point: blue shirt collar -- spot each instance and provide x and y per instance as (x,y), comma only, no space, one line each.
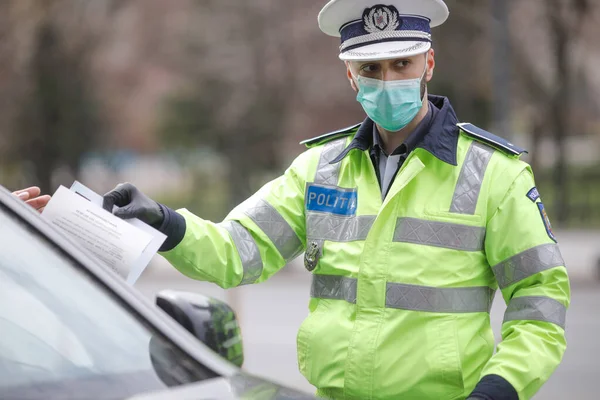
(439,136)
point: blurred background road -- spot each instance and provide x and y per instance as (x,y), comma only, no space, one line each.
(271,312)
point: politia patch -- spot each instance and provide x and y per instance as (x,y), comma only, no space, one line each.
(546,221)
(533,194)
(331,199)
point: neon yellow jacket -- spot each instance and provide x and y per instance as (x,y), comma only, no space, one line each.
(402,287)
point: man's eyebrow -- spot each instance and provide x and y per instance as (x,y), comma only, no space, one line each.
(373,62)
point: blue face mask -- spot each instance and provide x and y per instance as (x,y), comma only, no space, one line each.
(390,104)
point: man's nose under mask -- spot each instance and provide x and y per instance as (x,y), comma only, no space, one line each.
(391,104)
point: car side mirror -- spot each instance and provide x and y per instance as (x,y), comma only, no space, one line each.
(210,320)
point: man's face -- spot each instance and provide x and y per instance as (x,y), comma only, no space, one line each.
(392,70)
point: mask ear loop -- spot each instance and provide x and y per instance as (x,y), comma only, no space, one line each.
(423,83)
(354,78)
(425,69)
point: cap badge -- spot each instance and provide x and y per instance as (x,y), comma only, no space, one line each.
(381,18)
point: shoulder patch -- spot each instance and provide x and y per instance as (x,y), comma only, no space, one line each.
(533,194)
(546,222)
(330,136)
(491,139)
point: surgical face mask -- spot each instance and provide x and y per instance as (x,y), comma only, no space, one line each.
(391,104)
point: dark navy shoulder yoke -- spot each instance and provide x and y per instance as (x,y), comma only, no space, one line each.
(330,136)
(490,139)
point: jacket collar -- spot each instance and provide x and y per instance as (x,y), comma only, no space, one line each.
(441,140)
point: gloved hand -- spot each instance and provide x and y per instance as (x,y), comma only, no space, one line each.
(493,387)
(133,204)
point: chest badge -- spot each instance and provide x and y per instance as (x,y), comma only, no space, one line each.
(311,256)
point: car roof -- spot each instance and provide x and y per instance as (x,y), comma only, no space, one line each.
(136,302)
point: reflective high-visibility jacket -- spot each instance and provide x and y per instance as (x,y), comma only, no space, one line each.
(402,286)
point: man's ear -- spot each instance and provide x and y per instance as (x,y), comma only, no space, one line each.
(430,65)
(350,78)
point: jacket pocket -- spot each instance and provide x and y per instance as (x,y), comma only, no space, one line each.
(448,367)
(447,216)
(304,339)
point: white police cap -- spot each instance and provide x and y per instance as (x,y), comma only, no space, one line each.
(382,29)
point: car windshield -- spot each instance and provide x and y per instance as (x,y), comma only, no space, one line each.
(64,335)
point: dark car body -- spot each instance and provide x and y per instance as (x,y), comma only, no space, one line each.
(72,329)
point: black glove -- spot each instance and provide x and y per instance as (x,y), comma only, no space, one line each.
(133,204)
(494,387)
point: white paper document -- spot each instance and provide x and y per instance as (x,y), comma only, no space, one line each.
(125,246)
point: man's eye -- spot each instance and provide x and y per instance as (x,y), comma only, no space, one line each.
(402,63)
(369,68)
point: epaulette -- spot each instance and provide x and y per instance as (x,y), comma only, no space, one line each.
(491,139)
(330,136)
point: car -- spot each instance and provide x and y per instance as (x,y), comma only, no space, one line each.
(70,328)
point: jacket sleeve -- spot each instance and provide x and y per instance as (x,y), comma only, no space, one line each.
(530,272)
(253,242)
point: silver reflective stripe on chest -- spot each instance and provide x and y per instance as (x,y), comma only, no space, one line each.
(409,297)
(333,287)
(442,300)
(439,234)
(247,249)
(337,228)
(328,174)
(468,186)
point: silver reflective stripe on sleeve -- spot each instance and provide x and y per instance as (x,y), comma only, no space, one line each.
(527,263)
(466,193)
(333,287)
(337,228)
(442,300)
(439,234)
(536,308)
(409,297)
(247,249)
(273,225)
(328,174)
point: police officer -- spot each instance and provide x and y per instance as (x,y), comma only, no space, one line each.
(410,222)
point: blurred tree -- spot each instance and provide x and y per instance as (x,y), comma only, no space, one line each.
(237,110)
(58,121)
(55,120)
(544,35)
(565,23)
(463,61)
(547,84)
